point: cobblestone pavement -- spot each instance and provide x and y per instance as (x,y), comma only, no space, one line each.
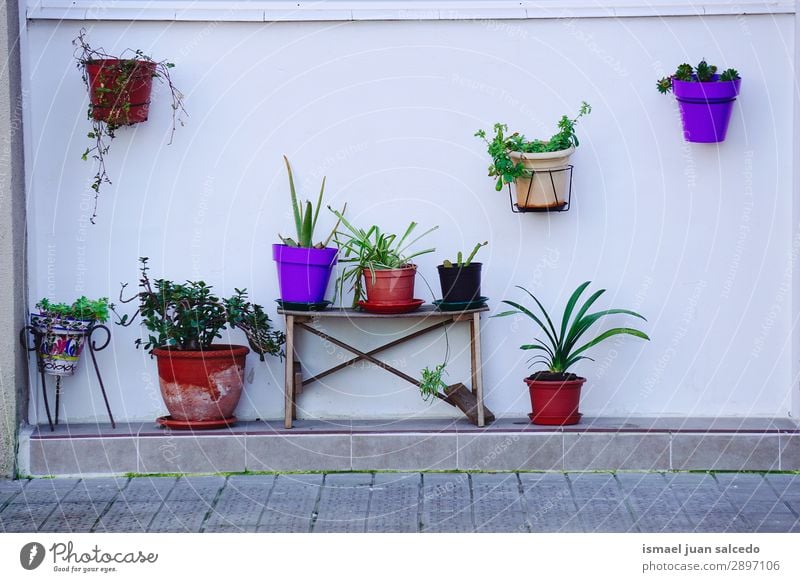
(407,502)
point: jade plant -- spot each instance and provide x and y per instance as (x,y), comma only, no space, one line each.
(460,262)
(365,251)
(188,316)
(110,104)
(561,349)
(504,168)
(305,217)
(703,73)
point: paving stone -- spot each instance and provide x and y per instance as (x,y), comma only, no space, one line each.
(497,505)
(256,487)
(343,503)
(227,528)
(45,491)
(235,511)
(394,504)
(446,503)
(9,489)
(604,515)
(128,516)
(706,505)
(595,486)
(291,504)
(148,489)
(196,489)
(74,517)
(550,505)
(769,516)
(96,490)
(25,517)
(788,488)
(180,516)
(743,488)
(655,509)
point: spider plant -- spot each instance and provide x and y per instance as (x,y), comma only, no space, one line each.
(370,250)
(305,217)
(561,349)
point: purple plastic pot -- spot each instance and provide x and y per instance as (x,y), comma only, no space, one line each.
(303,274)
(706,108)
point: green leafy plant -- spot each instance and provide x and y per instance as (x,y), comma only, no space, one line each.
(102,133)
(81,309)
(703,73)
(504,168)
(371,250)
(188,316)
(460,262)
(560,349)
(305,217)
(432,382)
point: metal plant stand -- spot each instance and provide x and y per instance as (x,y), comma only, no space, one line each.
(93,346)
(555,207)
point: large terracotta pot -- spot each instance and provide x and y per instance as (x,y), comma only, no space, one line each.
(202,385)
(555,402)
(390,285)
(548,187)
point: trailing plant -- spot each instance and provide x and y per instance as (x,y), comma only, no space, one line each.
(460,262)
(432,382)
(305,218)
(371,250)
(703,73)
(504,168)
(188,316)
(103,132)
(560,349)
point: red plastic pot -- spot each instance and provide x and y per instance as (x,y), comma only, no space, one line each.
(391,285)
(201,385)
(119,90)
(555,402)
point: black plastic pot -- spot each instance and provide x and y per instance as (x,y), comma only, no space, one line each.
(460,284)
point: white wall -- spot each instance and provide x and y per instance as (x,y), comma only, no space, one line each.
(697,237)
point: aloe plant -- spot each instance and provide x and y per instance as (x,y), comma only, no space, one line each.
(305,217)
(561,349)
(372,249)
(460,262)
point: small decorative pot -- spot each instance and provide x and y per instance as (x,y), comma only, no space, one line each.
(202,385)
(706,108)
(460,284)
(119,90)
(548,187)
(60,342)
(303,274)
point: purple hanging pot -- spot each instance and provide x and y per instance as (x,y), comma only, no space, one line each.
(706,108)
(303,274)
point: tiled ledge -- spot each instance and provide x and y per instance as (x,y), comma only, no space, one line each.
(508,444)
(344,10)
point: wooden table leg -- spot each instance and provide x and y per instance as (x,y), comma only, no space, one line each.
(477,364)
(288,386)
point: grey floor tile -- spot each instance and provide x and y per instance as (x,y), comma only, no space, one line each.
(45,491)
(96,490)
(191,454)
(654,506)
(83,456)
(298,453)
(291,504)
(9,489)
(128,516)
(205,488)
(25,517)
(74,517)
(608,451)
(394,503)
(549,501)
(595,486)
(497,504)
(517,451)
(790,452)
(598,515)
(446,503)
(235,511)
(343,503)
(787,487)
(180,516)
(148,489)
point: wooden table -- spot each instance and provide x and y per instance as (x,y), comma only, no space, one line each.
(300,320)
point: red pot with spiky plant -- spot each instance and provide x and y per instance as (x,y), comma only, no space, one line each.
(555,392)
